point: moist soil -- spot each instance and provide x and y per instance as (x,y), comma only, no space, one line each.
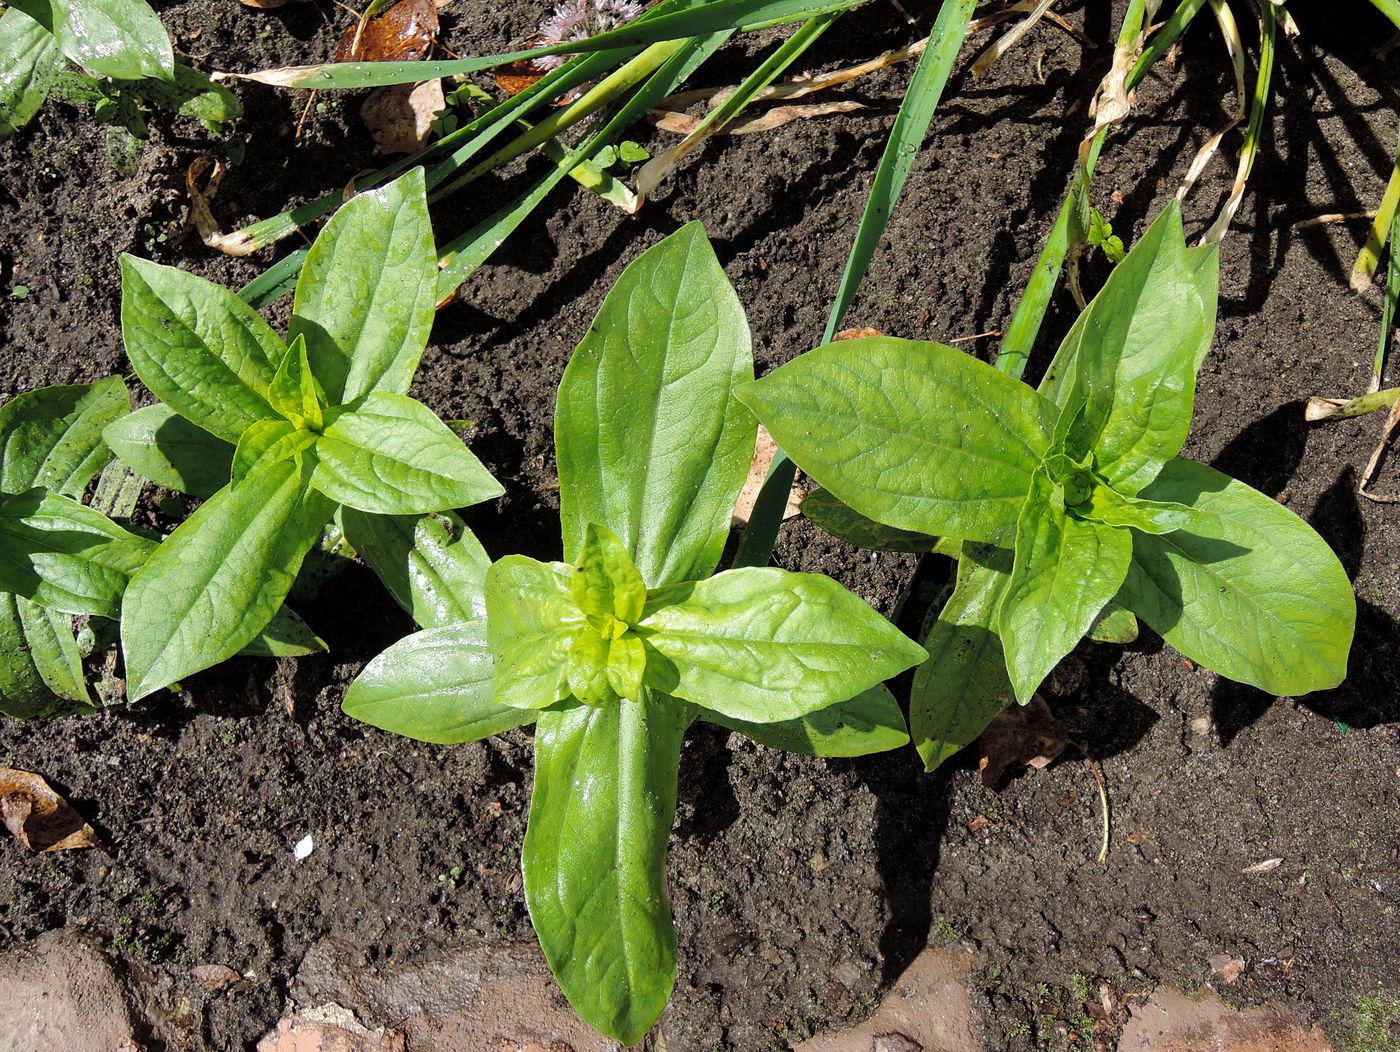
(801,887)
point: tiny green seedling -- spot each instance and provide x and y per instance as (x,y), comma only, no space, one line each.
(615,652)
(1071,501)
(320,423)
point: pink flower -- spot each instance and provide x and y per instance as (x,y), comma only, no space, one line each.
(577,19)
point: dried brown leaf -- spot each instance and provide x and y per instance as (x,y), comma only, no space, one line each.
(1267,866)
(401,117)
(38,817)
(215,976)
(858,334)
(764,451)
(236,244)
(1227,967)
(268,5)
(519,75)
(1021,735)
(403,33)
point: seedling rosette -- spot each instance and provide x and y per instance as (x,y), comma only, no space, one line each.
(615,651)
(1070,501)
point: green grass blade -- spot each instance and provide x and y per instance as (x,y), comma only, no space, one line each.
(712,17)
(1389,8)
(1392,293)
(1370,256)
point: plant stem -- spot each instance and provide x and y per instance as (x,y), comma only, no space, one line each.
(1365,268)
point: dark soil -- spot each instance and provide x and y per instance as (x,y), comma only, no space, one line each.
(801,887)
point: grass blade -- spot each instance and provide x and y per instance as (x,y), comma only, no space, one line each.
(1370,256)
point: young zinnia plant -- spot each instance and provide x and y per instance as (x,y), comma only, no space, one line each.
(615,651)
(1070,501)
(320,423)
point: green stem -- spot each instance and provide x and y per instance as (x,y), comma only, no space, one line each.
(1335,409)
(1365,268)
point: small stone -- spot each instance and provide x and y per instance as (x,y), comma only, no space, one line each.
(896,1043)
(303,848)
(1201,726)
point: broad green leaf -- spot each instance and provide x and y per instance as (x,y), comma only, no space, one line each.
(1114,625)
(434,686)
(433,566)
(121,39)
(41,671)
(916,435)
(268,441)
(64,556)
(765,645)
(869,723)
(191,94)
(1248,590)
(1110,508)
(161,445)
(963,685)
(533,623)
(365,298)
(52,437)
(294,392)
(605,582)
(1133,359)
(286,635)
(649,442)
(847,524)
(390,454)
(1065,571)
(218,580)
(30,63)
(198,347)
(595,857)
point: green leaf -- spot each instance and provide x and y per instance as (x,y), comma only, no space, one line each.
(191,94)
(847,524)
(52,437)
(764,645)
(41,671)
(64,556)
(390,454)
(605,582)
(269,441)
(286,635)
(1065,571)
(963,685)
(434,686)
(198,347)
(30,63)
(161,445)
(1108,507)
(1114,625)
(916,435)
(217,581)
(1249,589)
(586,670)
(595,858)
(533,624)
(433,566)
(1134,356)
(294,392)
(868,723)
(649,442)
(121,39)
(365,298)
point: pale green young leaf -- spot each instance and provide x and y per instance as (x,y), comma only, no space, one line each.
(1248,589)
(65,556)
(121,39)
(587,669)
(963,685)
(390,454)
(868,723)
(294,392)
(915,435)
(1115,624)
(198,347)
(626,665)
(1133,358)
(218,580)
(764,645)
(1065,571)
(268,441)
(161,445)
(605,582)
(433,566)
(849,525)
(594,859)
(285,636)
(365,298)
(41,671)
(52,436)
(649,441)
(533,624)
(1110,508)
(30,63)
(434,686)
